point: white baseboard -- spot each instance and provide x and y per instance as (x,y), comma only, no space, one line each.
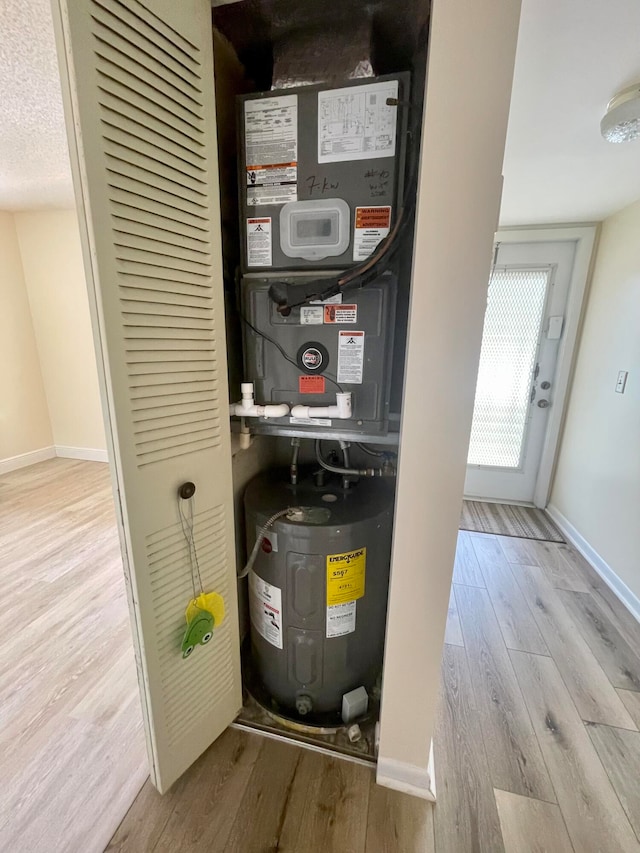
(618,586)
(25,459)
(89,454)
(407,778)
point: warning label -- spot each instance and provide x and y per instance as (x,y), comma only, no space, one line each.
(371,225)
(341,619)
(265,608)
(341,314)
(274,184)
(345,576)
(311,384)
(350,357)
(259,242)
(271,149)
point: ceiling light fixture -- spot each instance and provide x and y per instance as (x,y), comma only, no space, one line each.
(621,122)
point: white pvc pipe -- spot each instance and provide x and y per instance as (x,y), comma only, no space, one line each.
(247,407)
(341,411)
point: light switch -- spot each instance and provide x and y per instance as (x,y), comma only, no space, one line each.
(554,332)
(622,381)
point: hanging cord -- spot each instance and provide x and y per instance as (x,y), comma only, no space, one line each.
(187,524)
(262,533)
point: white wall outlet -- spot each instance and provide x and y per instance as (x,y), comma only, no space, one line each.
(622,381)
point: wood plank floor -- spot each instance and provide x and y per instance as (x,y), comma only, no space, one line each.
(72,753)
(548,651)
(536,744)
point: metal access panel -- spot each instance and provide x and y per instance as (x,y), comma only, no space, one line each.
(321,172)
(321,349)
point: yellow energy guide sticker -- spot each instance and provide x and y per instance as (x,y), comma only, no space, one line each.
(345,576)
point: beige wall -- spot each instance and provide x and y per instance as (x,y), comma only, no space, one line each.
(24,419)
(459,197)
(54,275)
(597,482)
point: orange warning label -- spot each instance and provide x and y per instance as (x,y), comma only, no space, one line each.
(340,313)
(271,166)
(373,217)
(311,384)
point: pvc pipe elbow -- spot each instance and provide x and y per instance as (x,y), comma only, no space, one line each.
(341,411)
(275,410)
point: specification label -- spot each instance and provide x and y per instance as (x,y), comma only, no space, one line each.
(271,149)
(341,619)
(311,315)
(350,357)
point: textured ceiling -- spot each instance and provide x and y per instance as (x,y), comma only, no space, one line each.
(573,55)
(34,158)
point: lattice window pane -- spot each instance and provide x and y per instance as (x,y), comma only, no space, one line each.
(509,345)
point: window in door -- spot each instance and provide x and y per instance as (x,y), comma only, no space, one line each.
(515,307)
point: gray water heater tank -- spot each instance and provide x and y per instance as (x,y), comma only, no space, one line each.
(318,589)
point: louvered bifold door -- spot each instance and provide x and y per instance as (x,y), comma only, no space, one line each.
(139,89)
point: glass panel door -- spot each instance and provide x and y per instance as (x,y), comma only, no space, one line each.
(508,358)
(526,302)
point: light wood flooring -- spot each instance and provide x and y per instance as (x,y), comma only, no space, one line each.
(537,746)
(72,754)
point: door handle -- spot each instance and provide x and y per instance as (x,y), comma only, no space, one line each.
(543,404)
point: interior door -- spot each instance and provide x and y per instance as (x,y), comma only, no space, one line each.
(524,323)
(138,84)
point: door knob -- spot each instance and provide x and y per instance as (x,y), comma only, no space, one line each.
(543,404)
(545,385)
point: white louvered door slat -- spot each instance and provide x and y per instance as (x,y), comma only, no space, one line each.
(139,90)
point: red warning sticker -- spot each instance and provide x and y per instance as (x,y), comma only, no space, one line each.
(373,217)
(311,384)
(372,224)
(340,313)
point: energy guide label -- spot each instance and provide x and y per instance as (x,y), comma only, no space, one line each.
(259,242)
(271,149)
(350,357)
(345,585)
(265,609)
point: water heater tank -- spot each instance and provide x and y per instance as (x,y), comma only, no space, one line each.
(318,589)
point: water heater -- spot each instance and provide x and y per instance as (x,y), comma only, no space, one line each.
(318,589)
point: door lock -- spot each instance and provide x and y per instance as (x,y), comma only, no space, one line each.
(544,404)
